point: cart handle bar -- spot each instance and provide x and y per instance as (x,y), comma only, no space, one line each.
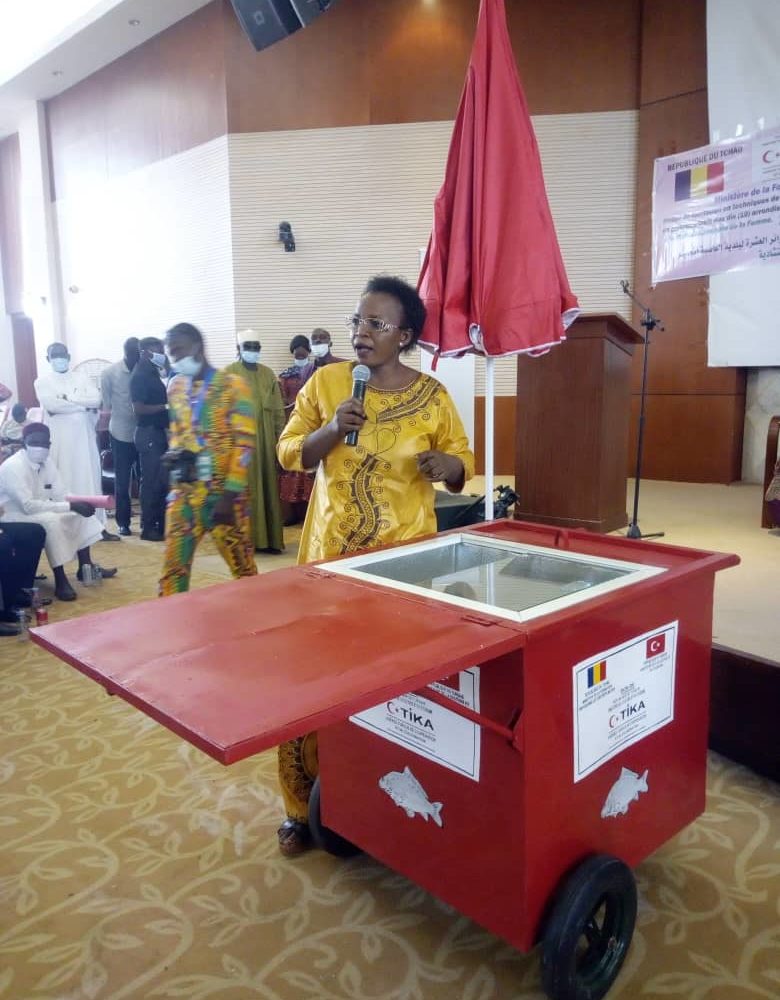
(513,735)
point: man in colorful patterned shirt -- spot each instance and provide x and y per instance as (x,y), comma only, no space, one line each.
(212,438)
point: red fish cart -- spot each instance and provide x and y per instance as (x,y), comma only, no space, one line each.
(511,715)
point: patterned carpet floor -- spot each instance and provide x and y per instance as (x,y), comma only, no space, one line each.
(133,866)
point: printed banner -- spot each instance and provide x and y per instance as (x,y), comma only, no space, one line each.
(621,696)
(717,208)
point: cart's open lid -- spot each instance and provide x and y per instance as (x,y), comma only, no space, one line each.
(238,667)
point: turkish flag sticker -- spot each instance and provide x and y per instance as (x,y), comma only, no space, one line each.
(656,645)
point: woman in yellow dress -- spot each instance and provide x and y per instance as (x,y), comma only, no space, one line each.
(379,490)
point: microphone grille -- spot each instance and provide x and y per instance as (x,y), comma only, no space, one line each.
(361,373)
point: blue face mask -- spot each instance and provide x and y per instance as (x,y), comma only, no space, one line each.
(157,359)
(251,357)
(60,365)
(186,366)
(301,362)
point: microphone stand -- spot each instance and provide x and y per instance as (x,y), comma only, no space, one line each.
(649,322)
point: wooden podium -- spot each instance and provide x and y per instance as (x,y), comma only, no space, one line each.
(573,411)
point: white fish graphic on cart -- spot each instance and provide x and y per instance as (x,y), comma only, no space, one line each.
(625,791)
(407,793)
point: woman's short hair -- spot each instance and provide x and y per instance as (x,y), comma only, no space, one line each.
(299,340)
(411,303)
(192,333)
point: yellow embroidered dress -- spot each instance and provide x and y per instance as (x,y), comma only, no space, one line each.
(364,496)
(373,493)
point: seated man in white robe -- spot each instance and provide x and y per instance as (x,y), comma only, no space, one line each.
(71,402)
(31,490)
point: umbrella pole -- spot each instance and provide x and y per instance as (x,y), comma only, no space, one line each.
(490,391)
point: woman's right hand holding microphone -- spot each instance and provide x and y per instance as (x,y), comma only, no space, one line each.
(349,416)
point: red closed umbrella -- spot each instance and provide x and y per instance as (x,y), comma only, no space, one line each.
(493,279)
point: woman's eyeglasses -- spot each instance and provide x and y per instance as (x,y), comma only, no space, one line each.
(371,323)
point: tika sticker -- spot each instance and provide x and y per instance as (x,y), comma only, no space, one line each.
(625,791)
(430,730)
(622,694)
(407,793)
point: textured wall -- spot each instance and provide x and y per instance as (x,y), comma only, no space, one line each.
(149,249)
(195,236)
(360,201)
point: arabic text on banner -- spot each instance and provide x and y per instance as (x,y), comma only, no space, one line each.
(717,208)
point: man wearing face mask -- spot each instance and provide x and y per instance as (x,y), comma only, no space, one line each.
(71,402)
(31,490)
(321,346)
(269,421)
(150,404)
(115,387)
(212,438)
(295,486)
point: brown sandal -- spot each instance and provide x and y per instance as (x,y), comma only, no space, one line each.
(294,837)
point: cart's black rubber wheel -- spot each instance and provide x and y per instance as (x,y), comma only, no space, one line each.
(588,930)
(324,838)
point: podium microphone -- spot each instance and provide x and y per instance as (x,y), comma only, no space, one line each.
(649,322)
(360,376)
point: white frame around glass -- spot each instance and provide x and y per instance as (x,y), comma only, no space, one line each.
(353,567)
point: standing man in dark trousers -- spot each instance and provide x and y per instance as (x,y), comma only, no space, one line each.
(21,545)
(115,387)
(150,404)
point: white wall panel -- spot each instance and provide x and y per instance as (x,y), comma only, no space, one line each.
(147,250)
(194,237)
(360,200)
(743,81)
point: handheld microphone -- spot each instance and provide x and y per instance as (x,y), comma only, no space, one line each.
(360,376)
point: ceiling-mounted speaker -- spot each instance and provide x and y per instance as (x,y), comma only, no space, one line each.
(268,21)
